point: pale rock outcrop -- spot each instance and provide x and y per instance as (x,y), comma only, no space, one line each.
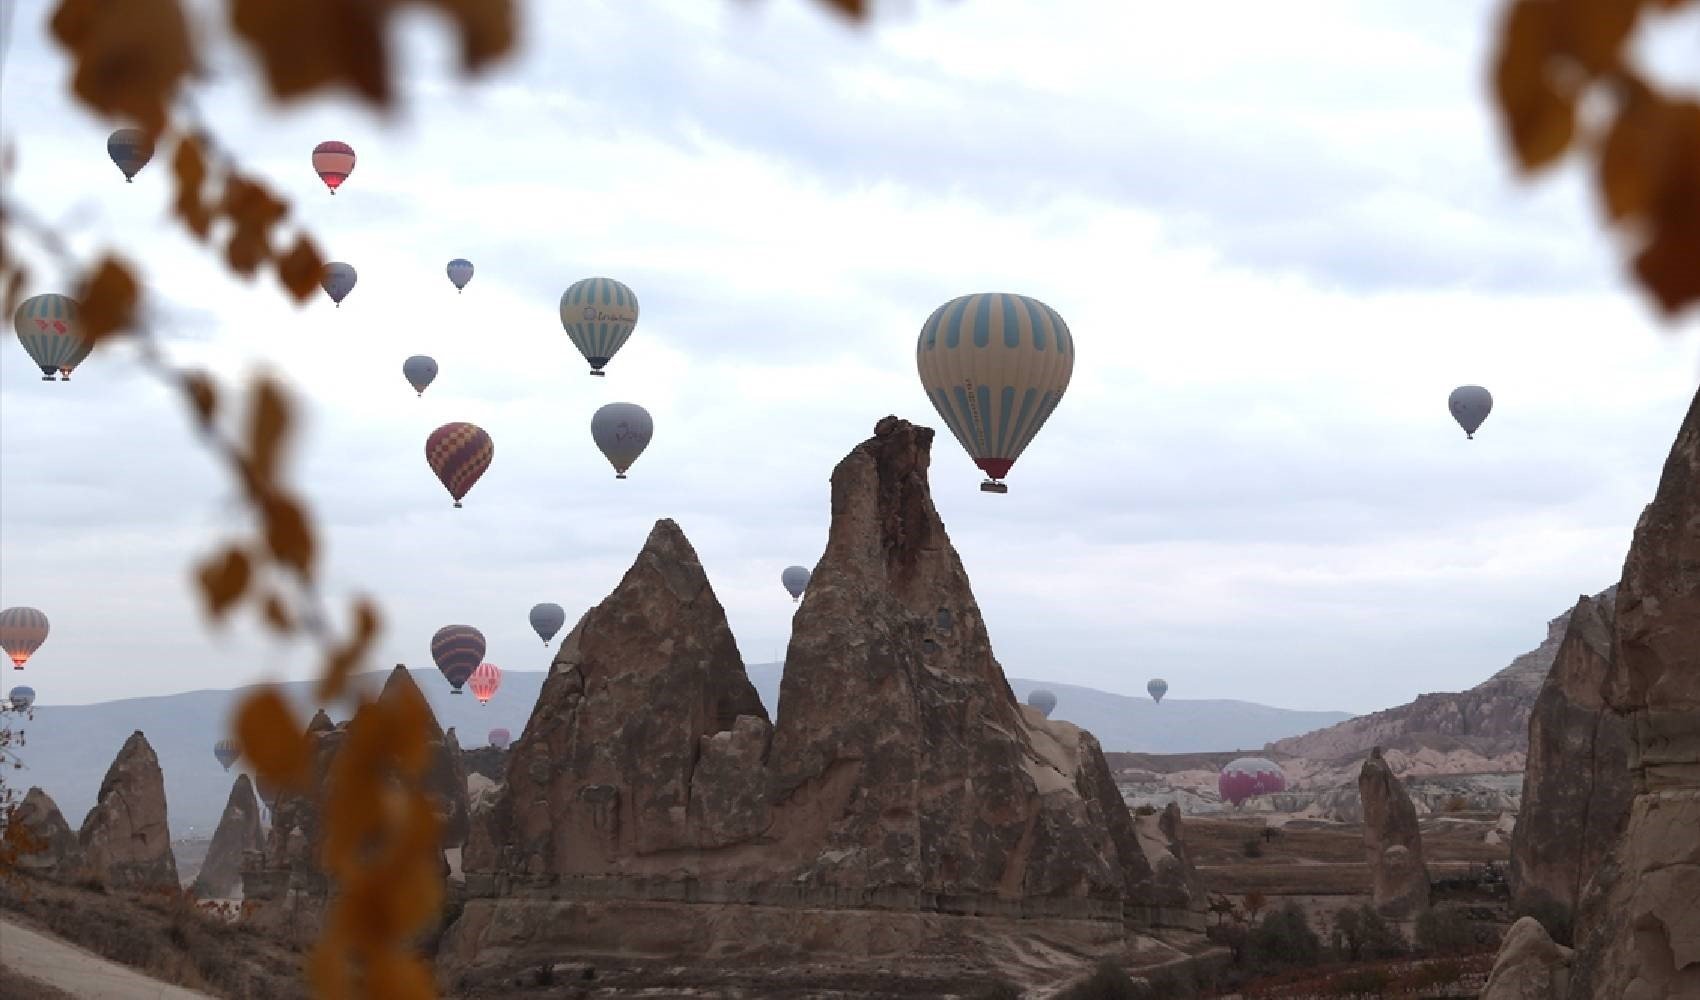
(56,849)
(1529,966)
(1392,841)
(238,833)
(126,837)
(1175,882)
(1576,789)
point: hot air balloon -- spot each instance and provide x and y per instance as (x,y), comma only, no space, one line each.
(131,149)
(622,431)
(1043,700)
(485,680)
(22,631)
(995,365)
(796,580)
(420,371)
(338,280)
(1470,405)
(547,619)
(598,314)
(226,751)
(334,161)
(21,697)
(1246,777)
(82,354)
(47,327)
(458,650)
(1157,687)
(459,453)
(460,272)
(500,738)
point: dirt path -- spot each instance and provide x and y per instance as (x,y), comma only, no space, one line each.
(78,972)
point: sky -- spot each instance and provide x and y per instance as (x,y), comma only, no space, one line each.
(1280,242)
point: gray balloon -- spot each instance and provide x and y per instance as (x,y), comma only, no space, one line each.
(1044,701)
(419,371)
(1157,687)
(622,431)
(796,580)
(338,280)
(1470,405)
(547,619)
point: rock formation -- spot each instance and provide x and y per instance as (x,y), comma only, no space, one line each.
(1576,789)
(53,842)
(238,832)
(126,839)
(1392,841)
(445,777)
(1638,928)
(1175,882)
(491,762)
(1529,965)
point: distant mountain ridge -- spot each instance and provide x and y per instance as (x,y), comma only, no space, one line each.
(68,747)
(1490,720)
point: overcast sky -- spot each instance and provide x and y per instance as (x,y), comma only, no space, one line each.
(1280,242)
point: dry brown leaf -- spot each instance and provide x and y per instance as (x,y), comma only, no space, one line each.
(1593,31)
(305,45)
(108,299)
(1669,265)
(288,534)
(487,29)
(245,252)
(224,578)
(273,740)
(130,56)
(301,269)
(399,976)
(1537,119)
(251,206)
(189,168)
(341,663)
(269,418)
(277,616)
(203,396)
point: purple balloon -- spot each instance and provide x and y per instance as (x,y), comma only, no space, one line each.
(500,738)
(1248,777)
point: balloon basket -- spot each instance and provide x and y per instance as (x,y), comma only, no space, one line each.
(619,475)
(48,378)
(598,374)
(993,486)
(457,507)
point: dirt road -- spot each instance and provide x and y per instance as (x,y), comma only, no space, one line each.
(80,973)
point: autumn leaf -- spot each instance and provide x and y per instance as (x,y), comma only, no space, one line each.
(189,169)
(1538,119)
(276,615)
(342,662)
(301,269)
(306,45)
(130,56)
(268,427)
(245,251)
(224,579)
(1629,157)
(273,740)
(486,29)
(1593,31)
(108,300)
(288,534)
(203,396)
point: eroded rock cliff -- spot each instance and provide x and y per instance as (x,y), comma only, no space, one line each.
(238,833)
(1393,844)
(126,838)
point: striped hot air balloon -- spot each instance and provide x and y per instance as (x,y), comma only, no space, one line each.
(22,631)
(47,327)
(459,453)
(460,272)
(334,161)
(995,365)
(598,314)
(131,149)
(68,367)
(457,650)
(485,680)
(338,280)
(226,752)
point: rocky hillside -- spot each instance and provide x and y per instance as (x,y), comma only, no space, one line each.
(1488,724)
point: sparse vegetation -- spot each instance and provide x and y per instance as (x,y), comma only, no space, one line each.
(1107,982)
(1145,810)
(1285,937)
(1553,915)
(1444,931)
(1457,804)
(1252,848)
(1361,932)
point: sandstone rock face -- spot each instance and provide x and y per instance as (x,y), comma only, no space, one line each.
(1529,966)
(126,839)
(1175,882)
(57,850)
(1638,932)
(491,762)
(1576,790)
(1392,841)
(238,833)
(292,842)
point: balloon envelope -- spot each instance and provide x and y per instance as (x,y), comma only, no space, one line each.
(599,315)
(547,619)
(457,650)
(1157,687)
(500,738)
(420,371)
(460,271)
(994,365)
(1470,405)
(622,431)
(22,631)
(485,681)
(338,280)
(131,149)
(47,327)
(21,697)
(226,752)
(795,579)
(1043,700)
(333,161)
(459,453)
(1246,777)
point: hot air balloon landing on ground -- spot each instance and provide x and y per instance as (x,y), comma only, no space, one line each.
(460,272)
(131,149)
(599,315)
(994,365)
(1248,777)
(1043,700)
(796,580)
(547,619)
(457,650)
(333,161)
(1157,687)
(22,631)
(500,738)
(21,697)
(1470,405)
(47,327)
(485,681)
(622,431)
(420,371)
(226,752)
(338,280)
(459,453)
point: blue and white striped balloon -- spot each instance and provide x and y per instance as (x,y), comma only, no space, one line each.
(598,314)
(460,272)
(47,327)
